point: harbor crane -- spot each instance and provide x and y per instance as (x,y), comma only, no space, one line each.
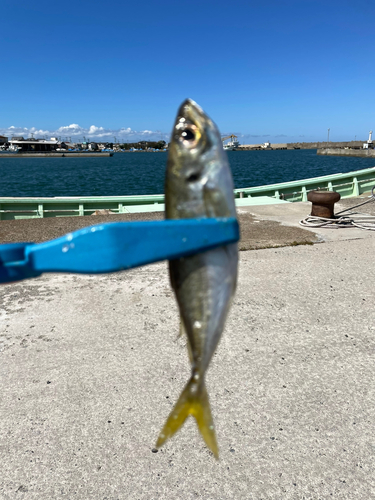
(232,144)
(229,137)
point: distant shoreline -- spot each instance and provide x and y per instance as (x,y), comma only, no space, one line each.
(59,154)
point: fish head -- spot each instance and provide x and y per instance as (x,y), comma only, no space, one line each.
(198,173)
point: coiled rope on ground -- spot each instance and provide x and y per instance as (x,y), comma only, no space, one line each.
(351,219)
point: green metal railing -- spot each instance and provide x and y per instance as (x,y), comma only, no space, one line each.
(348,185)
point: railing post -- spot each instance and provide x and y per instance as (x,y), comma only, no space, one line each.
(40,210)
(304,193)
(355,186)
(81,210)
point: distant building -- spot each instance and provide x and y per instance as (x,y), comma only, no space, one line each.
(33,145)
(3,139)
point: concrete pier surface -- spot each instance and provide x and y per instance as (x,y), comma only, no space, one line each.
(91,366)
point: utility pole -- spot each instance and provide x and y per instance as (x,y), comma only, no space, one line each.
(328,135)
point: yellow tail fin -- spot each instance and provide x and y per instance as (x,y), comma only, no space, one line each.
(193,401)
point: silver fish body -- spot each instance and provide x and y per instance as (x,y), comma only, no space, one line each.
(199,184)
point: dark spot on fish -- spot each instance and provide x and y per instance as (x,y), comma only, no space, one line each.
(154,450)
(48,381)
(193,177)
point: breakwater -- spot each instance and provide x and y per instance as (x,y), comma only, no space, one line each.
(66,154)
(301,145)
(356,153)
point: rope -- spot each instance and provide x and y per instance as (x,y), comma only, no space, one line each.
(352,219)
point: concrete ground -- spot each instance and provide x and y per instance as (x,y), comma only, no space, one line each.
(253,234)
(91,366)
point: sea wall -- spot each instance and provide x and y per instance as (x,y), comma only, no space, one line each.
(363,153)
(305,145)
(56,155)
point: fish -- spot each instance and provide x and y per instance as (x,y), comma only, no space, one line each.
(199,184)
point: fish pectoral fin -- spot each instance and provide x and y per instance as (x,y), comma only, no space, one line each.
(192,401)
(182,330)
(216,205)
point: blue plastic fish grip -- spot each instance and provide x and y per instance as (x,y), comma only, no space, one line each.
(13,263)
(116,246)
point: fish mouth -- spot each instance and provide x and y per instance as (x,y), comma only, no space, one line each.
(189,124)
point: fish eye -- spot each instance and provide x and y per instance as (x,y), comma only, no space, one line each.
(188,134)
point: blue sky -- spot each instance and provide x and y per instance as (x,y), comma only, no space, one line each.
(278,71)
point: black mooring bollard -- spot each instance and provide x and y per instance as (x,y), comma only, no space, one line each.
(323,203)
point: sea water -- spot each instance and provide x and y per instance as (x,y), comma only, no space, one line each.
(143,173)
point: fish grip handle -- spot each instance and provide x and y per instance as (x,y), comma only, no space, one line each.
(112,247)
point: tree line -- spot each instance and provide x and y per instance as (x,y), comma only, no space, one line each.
(143,145)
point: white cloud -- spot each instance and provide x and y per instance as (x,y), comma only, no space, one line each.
(94,130)
(76,133)
(124,134)
(69,128)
